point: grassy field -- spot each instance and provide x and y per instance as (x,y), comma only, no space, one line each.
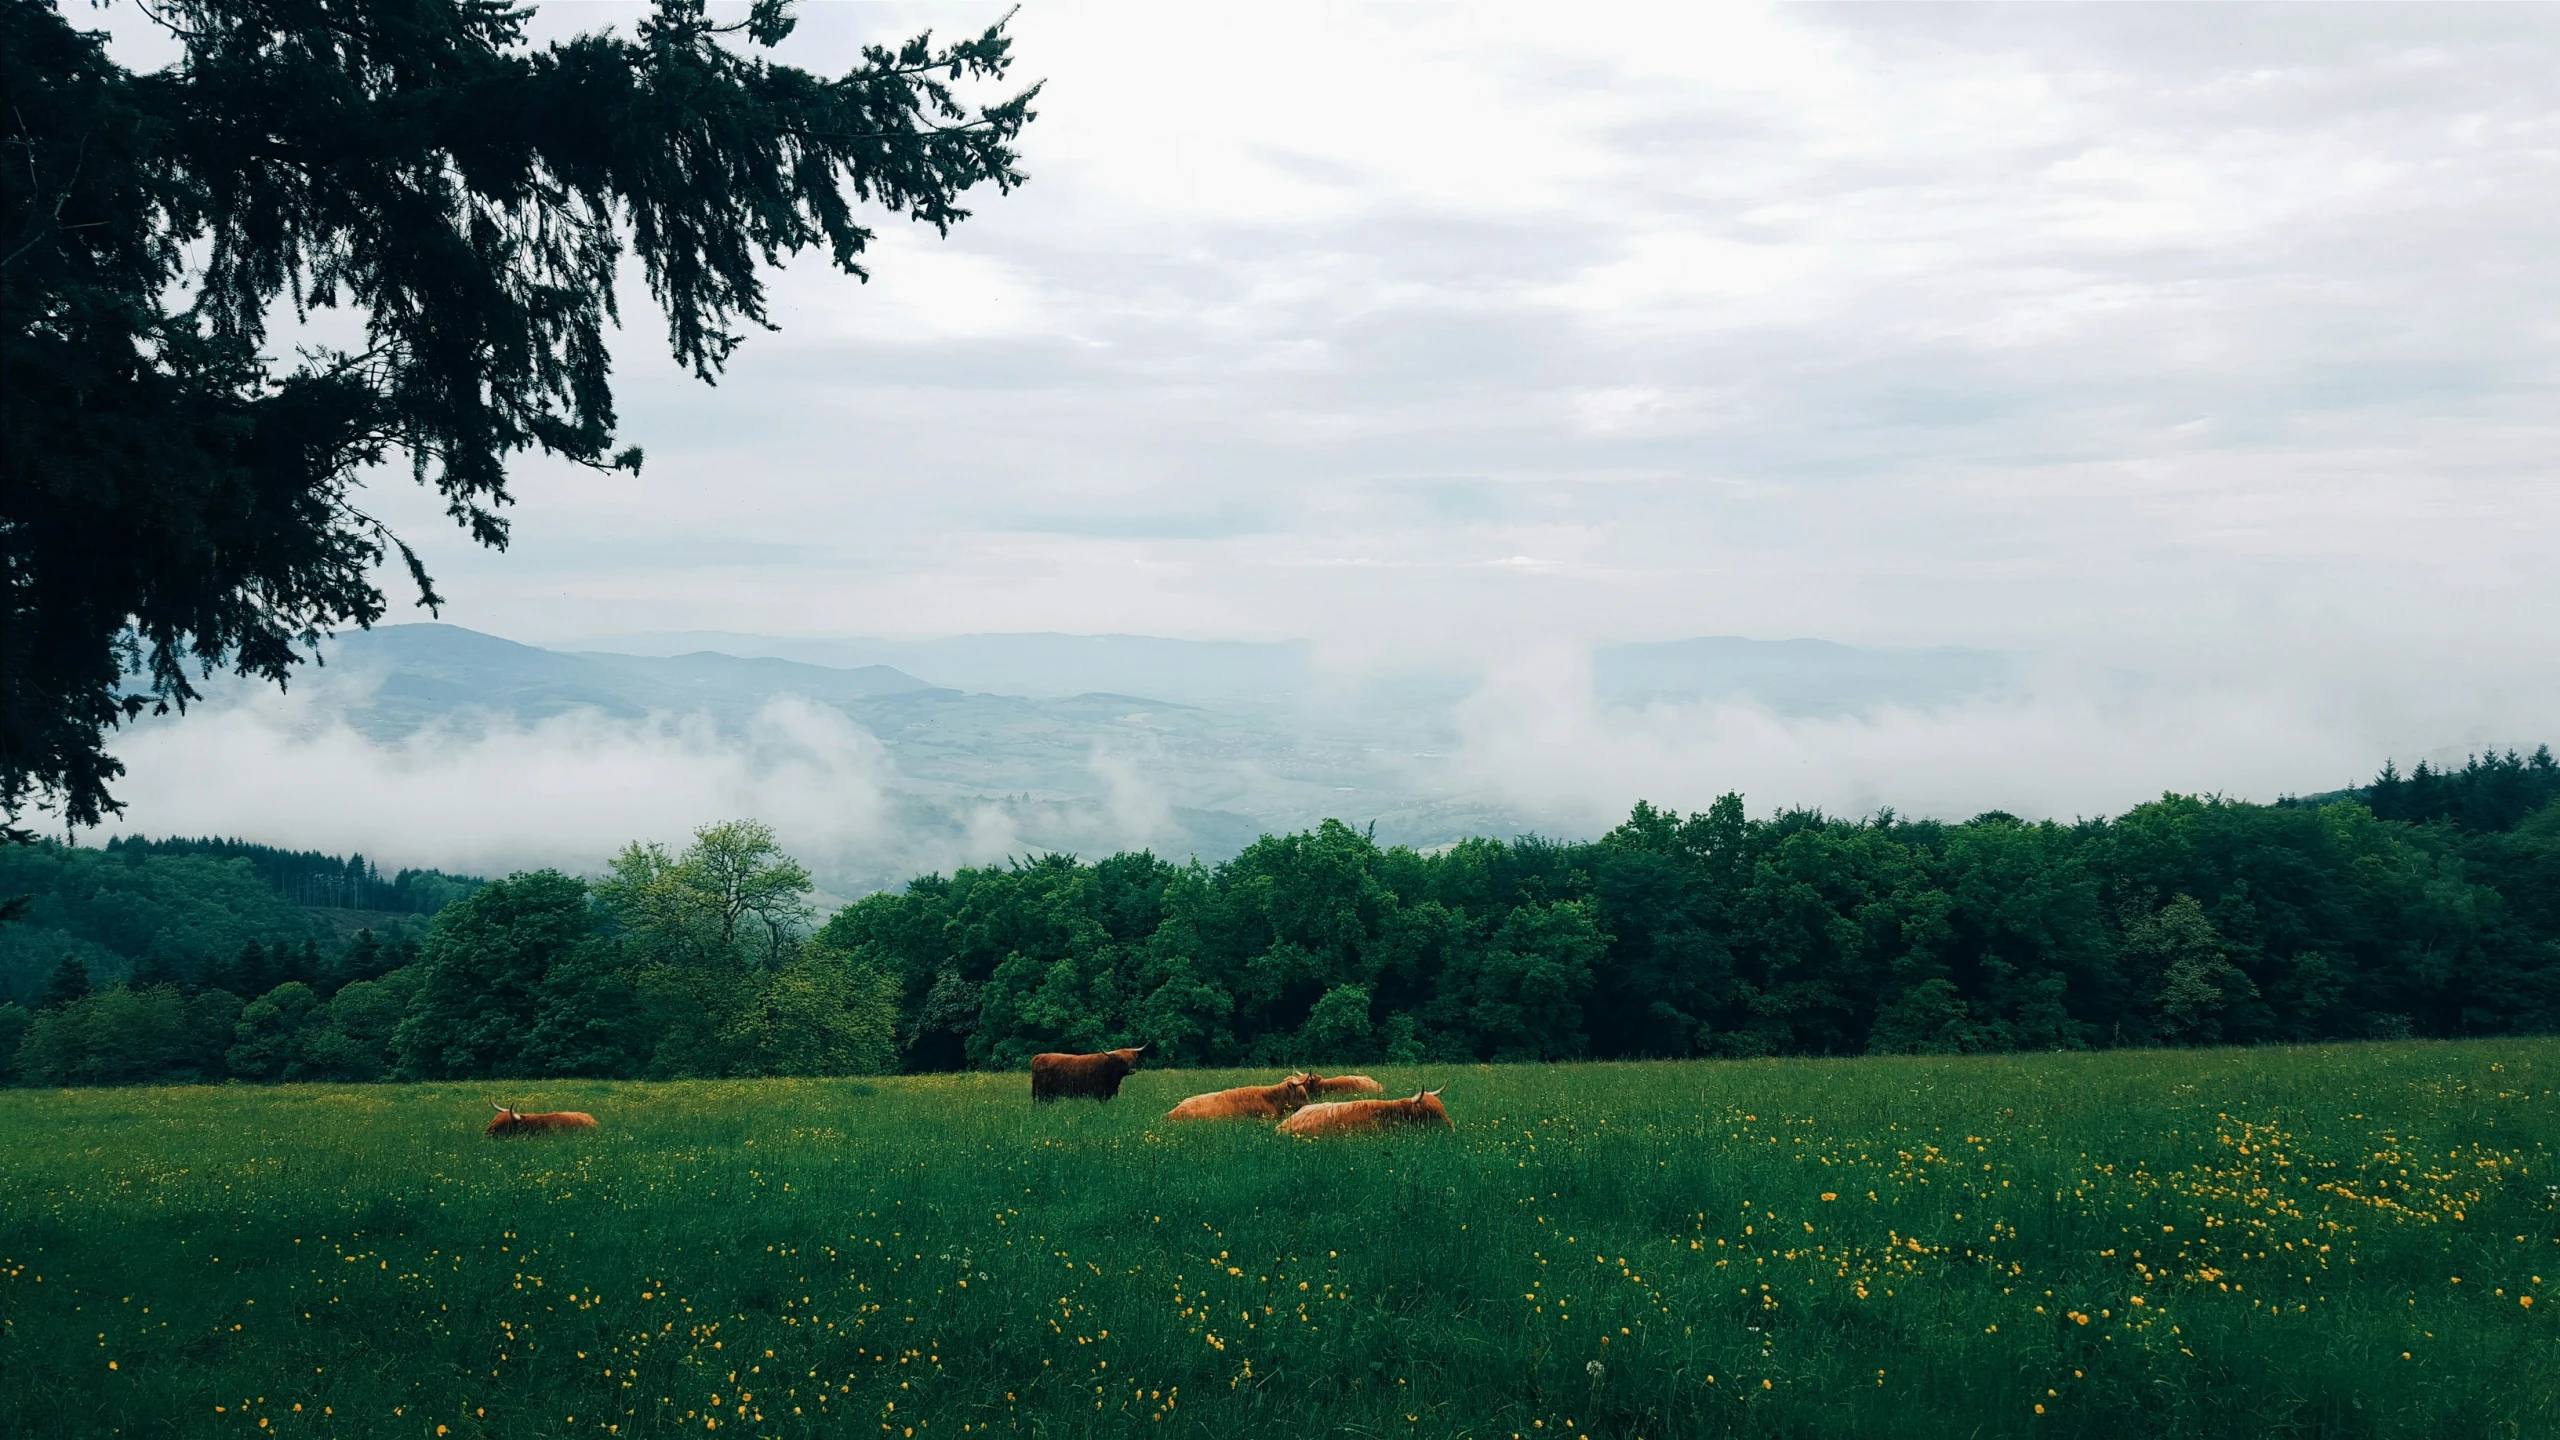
(2339,1241)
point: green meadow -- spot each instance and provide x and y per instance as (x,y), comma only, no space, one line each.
(2350,1240)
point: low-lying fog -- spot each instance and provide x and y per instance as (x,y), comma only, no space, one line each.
(437,746)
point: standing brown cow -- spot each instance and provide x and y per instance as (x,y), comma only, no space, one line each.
(1322,1085)
(1342,1117)
(516,1122)
(1055,1077)
(1245,1102)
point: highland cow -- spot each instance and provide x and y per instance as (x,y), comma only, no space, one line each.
(1098,1077)
(1343,1117)
(516,1122)
(1245,1102)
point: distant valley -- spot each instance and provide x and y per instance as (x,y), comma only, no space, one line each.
(1073,742)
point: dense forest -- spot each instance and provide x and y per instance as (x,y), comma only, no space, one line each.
(2423,905)
(2489,792)
(319,880)
(184,905)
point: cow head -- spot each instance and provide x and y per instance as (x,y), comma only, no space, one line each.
(1428,1109)
(506,1122)
(1296,1091)
(1126,1060)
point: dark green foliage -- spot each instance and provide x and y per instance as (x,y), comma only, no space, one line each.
(156,969)
(187,912)
(67,985)
(367,957)
(2489,792)
(817,1015)
(937,1034)
(2185,922)
(173,500)
(321,881)
(590,1021)
(489,962)
(363,959)
(248,972)
(123,1036)
(1338,1031)
(349,1038)
(268,1035)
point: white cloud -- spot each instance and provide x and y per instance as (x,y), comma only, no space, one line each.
(487,794)
(2109,332)
(493,797)
(2080,741)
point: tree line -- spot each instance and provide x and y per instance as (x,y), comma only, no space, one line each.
(2191,920)
(115,912)
(316,878)
(181,905)
(2489,792)
(691,964)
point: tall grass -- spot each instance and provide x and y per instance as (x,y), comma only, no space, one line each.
(2333,1241)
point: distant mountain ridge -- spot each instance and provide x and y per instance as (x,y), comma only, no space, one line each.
(424,673)
(1069,742)
(1791,677)
(1203,779)
(1043,664)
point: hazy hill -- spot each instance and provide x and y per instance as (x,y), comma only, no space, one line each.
(1047,664)
(1791,677)
(425,674)
(1080,742)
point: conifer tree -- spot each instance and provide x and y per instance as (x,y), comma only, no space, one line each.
(174,499)
(68,985)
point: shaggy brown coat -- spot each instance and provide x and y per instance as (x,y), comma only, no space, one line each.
(1322,1085)
(1057,1077)
(1343,1117)
(516,1122)
(1245,1102)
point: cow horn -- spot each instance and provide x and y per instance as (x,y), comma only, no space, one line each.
(494,1105)
(1435,1093)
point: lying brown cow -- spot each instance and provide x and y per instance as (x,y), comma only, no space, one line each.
(1055,1077)
(1344,1085)
(516,1122)
(1342,1117)
(1245,1102)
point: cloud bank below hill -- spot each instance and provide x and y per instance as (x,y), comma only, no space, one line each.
(486,794)
(492,795)
(2070,741)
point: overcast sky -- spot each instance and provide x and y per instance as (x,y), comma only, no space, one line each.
(2009,325)
(1906,324)
(2219,343)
